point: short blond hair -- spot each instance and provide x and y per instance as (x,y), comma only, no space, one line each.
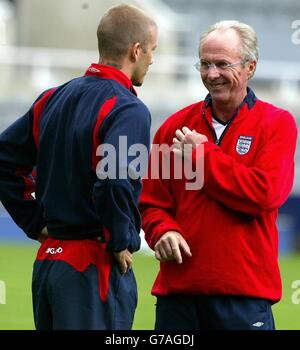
(120,27)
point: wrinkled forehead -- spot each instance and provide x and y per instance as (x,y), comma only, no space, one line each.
(222,43)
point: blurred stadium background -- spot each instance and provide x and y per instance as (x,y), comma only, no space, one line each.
(44,43)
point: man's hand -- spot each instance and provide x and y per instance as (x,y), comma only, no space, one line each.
(187,140)
(124,259)
(169,247)
(43,235)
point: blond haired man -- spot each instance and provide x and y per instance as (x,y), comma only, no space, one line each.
(88,225)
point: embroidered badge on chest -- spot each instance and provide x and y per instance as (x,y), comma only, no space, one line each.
(243,144)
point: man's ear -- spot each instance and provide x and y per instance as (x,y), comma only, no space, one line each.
(251,69)
(135,51)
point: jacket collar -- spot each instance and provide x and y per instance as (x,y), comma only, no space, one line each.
(250,99)
(109,72)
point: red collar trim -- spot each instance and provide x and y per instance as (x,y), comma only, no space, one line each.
(109,72)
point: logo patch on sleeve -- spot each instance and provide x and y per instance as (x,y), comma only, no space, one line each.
(243,144)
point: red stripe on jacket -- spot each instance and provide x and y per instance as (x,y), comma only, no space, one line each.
(29,183)
(104,269)
(103,113)
(37,114)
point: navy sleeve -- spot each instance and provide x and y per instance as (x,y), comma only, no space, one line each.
(17,159)
(116,196)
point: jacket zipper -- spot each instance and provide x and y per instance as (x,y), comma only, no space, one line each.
(223,133)
(213,132)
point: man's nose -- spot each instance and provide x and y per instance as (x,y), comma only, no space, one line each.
(213,71)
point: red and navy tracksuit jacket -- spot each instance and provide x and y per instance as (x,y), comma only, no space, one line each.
(229,224)
(58,138)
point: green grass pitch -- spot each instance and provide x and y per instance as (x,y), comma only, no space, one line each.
(16,267)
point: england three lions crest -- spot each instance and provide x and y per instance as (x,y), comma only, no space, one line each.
(243,144)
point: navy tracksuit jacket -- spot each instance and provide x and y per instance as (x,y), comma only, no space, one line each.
(59,136)
(52,151)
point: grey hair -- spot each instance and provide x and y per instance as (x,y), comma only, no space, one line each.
(246,33)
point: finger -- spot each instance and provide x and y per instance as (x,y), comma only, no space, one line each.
(188,148)
(176,146)
(167,248)
(121,258)
(177,255)
(189,138)
(158,256)
(177,152)
(129,261)
(185,247)
(162,253)
(123,266)
(179,135)
(128,254)
(128,265)
(185,130)
(176,141)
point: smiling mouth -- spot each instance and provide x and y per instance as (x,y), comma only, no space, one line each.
(214,86)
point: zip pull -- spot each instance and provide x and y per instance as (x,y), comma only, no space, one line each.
(217,142)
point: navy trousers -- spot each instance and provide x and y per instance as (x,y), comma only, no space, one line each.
(187,312)
(65,299)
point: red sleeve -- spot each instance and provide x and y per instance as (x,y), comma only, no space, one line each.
(156,204)
(262,187)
